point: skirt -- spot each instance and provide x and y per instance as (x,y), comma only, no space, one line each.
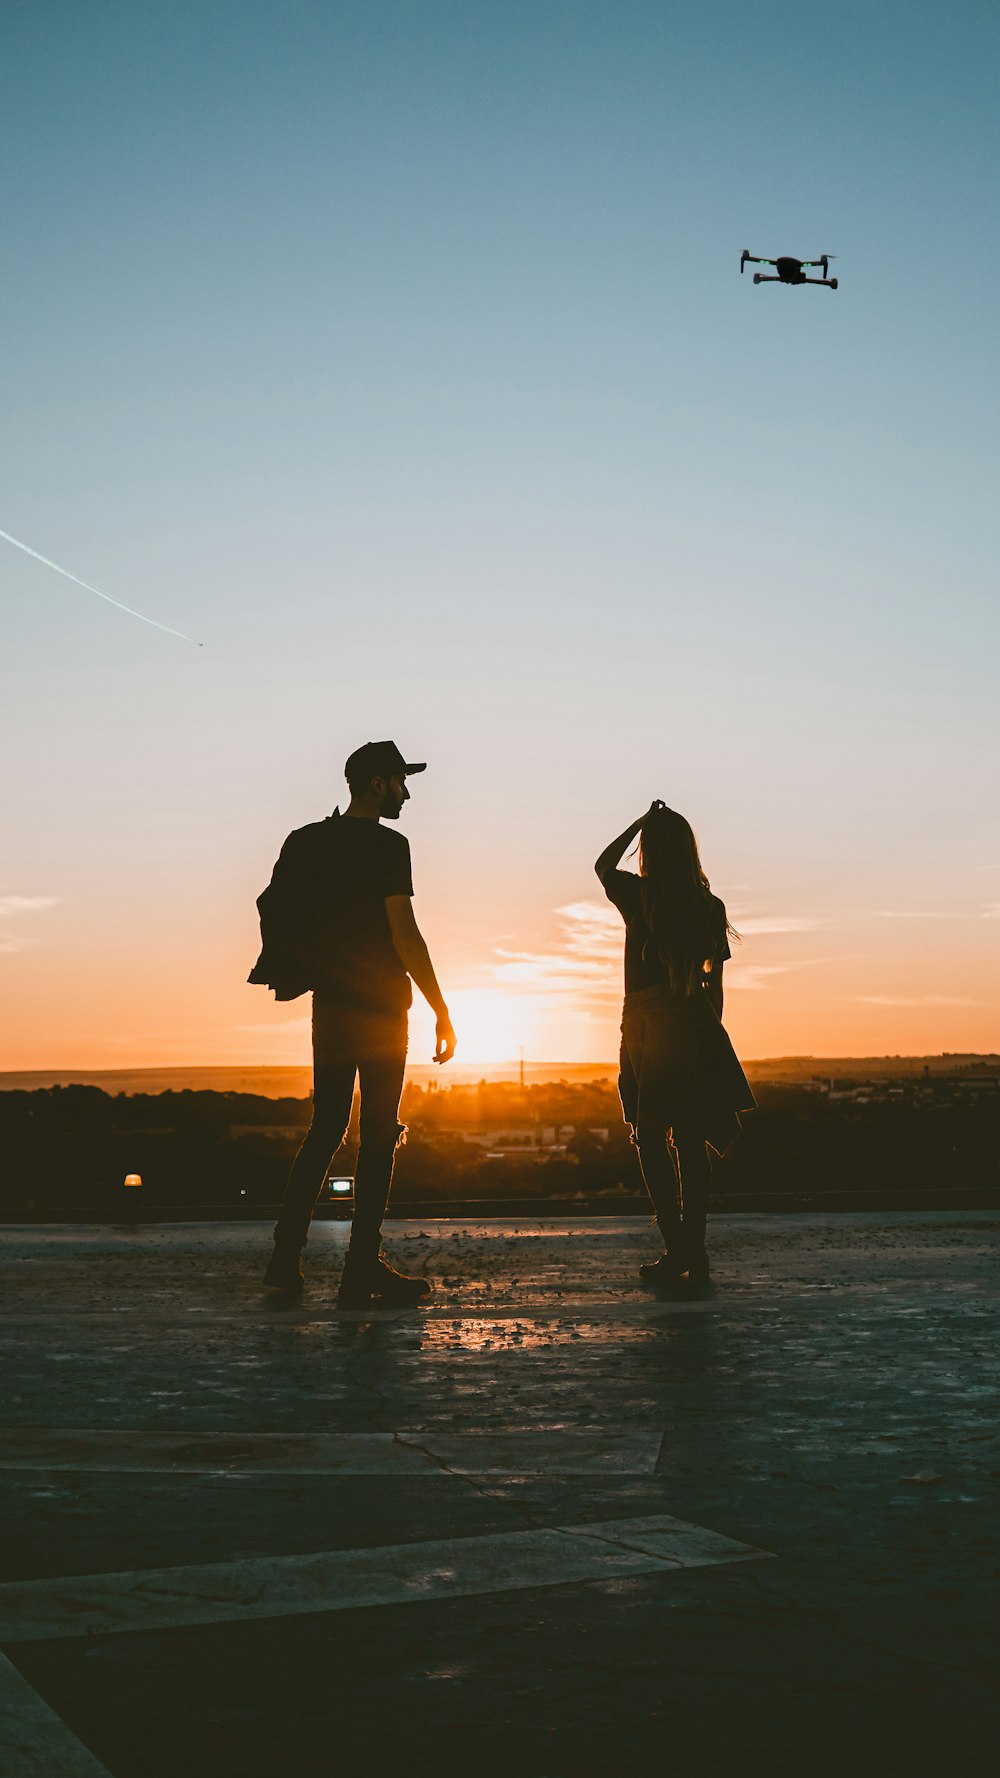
(679,1069)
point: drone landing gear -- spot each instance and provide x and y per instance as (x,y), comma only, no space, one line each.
(772,278)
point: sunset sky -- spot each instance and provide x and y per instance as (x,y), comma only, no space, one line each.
(398,352)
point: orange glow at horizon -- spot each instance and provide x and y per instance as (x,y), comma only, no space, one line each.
(492,1026)
(89,993)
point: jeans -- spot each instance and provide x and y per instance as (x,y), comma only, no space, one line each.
(349,1043)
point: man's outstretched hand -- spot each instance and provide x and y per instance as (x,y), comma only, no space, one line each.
(446,1040)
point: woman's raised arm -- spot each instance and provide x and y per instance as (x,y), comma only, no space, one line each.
(612,855)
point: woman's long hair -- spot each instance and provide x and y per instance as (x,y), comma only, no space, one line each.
(686,928)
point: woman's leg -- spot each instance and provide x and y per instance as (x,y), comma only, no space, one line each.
(661,1180)
(694,1170)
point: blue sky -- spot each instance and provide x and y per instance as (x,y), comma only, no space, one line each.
(399,352)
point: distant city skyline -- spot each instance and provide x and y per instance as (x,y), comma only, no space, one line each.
(401,355)
(293,1081)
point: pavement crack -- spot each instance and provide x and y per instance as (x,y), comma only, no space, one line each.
(617,1543)
(410,1443)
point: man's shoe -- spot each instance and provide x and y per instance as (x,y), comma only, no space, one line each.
(398,1287)
(284,1271)
(361,1281)
(662,1271)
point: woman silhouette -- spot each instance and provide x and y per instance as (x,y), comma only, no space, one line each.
(682,1088)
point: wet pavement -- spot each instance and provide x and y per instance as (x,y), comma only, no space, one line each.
(550,1521)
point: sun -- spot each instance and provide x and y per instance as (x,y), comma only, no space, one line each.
(491,1026)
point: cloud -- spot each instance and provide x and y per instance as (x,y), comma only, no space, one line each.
(757,925)
(990,910)
(917,1000)
(11,906)
(592,926)
(746,976)
(587,962)
(914,914)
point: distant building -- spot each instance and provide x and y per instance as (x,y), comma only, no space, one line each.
(523,1142)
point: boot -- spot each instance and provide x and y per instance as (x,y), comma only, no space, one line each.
(668,1269)
(398,1287)
(364,1278)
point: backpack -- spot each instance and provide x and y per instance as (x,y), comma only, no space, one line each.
(288,960)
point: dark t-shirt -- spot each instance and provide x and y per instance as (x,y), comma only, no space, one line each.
(623,888)
(323,917)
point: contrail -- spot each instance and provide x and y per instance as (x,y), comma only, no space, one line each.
(96,589)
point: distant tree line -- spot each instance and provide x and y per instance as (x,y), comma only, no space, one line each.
(64,1149)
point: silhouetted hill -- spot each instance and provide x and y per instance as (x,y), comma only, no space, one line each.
(296,1082)
(66,1150)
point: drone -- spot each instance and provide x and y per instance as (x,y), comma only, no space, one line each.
(789,271)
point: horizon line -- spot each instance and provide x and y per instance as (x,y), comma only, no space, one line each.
(502,1062)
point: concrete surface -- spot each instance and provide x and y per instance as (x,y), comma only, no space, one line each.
(549,1523)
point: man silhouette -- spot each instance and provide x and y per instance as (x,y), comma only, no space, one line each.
(337,917)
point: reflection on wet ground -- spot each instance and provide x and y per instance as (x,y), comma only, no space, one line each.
(480,1334)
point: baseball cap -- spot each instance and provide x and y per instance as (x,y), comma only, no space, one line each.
(377,759)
